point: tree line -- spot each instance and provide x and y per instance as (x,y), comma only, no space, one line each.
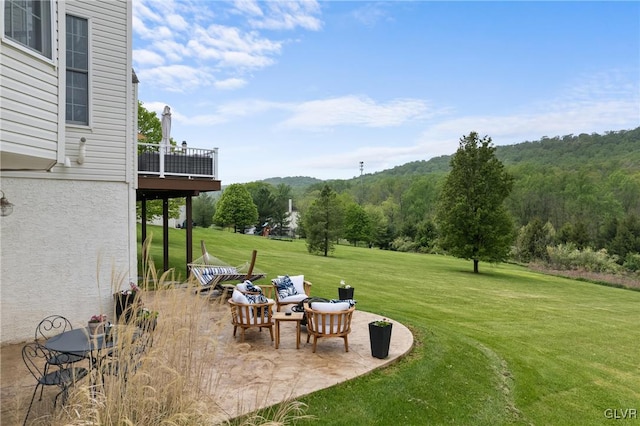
(578,192)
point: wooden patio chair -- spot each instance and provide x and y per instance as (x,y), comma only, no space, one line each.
(302,291)
(251,315)
(329,320)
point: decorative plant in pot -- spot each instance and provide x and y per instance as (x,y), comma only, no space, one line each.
(147,319)
(127,302)
(345,291)
(97,324)
(380,337)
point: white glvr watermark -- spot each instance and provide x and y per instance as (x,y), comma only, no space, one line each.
(621,413)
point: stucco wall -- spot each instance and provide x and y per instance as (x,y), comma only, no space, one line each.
(59,251)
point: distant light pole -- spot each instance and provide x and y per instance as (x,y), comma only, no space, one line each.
(184,147)
(361,182)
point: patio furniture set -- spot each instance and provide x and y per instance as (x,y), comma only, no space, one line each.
(55,356)
(250,308)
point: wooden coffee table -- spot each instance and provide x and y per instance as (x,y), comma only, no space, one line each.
(282,316)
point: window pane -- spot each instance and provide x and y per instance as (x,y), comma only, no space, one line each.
(29,23)
(77,43)
(77,36)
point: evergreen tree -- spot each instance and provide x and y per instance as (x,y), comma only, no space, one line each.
(281,219)
(323,222)
(473,222)
(204,207)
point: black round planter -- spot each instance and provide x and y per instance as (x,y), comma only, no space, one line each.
(345,293)
(125,306)
(380,338)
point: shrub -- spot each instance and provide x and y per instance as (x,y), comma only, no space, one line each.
(568,257)
(404,244)
(632,262)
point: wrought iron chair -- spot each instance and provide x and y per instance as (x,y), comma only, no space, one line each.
(36,357)
(49,327)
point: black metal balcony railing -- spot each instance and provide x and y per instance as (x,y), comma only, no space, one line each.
(188,162)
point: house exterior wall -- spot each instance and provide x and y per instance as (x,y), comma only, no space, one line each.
(58,251)
(73,226)
(29,124)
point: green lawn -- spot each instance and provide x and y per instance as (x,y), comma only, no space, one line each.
(504,346)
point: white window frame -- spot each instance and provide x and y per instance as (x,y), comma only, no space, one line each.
(87,72)
(47,34)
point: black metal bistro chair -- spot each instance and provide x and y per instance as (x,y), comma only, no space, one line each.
(49,327)
(36,358)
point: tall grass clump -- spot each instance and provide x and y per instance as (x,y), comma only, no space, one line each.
(161,372)
(153,376)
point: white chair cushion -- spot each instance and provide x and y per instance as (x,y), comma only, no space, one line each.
(330,307)
(295,298)
(239,297)
(298,283)
(285,287)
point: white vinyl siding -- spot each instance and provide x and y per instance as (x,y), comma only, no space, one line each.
(110,82)
(108,134)
(29,127)
(83,214)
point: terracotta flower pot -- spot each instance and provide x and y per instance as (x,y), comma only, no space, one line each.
(96,328)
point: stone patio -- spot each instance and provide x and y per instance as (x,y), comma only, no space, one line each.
(280,369)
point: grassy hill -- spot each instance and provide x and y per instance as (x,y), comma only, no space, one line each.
(507,346)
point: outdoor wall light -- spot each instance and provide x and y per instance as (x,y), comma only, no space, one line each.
(6,207)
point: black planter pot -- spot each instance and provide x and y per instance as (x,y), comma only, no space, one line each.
(345,293)
(148,324)
(380,338)
(125,306)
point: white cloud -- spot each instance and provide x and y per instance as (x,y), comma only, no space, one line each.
(371,13)
(176,78)
(248,7)
(355,110)
(281,15)
(230,84)
(232,48)
(145,57)
(177,22)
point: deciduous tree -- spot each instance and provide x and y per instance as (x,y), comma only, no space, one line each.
(150,131)
(236,208)
(357,225)
(473,222)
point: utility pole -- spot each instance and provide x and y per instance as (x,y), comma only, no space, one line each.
(361,183)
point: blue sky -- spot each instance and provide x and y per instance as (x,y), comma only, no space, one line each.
(306,88)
